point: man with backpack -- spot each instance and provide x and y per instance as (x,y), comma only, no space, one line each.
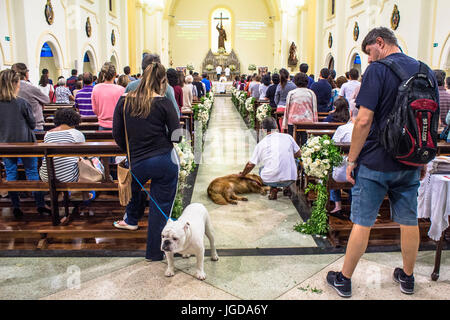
(394,137)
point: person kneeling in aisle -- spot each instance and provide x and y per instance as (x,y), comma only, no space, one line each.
(276,153)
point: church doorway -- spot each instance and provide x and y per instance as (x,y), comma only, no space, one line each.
(89,63)
(331,64)
(356,63)
(114,62)
(47,61)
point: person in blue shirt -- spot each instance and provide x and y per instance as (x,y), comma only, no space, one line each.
(375,173)
(322,89)
(304,69)
(206,82)
(170,94)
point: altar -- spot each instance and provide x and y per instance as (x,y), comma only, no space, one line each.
(221,59)
(222,87)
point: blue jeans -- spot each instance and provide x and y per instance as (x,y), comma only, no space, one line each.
(372,186)
(336,196)
(31,171)
(163,172)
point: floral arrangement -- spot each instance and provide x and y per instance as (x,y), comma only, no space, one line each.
(202,111)
(232,67)
(250,108)
(187,165)
(276,71)
(209,67)
(252,67)
(263,111)
(190,67)
(222,51)
(319,156)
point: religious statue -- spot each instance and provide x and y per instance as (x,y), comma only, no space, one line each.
(49,14)
(88,28)
(222,36)
(293,61)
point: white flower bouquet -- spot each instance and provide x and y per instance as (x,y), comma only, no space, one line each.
(249,104)
(263,111)
(319,157)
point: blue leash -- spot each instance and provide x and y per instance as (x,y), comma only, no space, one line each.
(143,188)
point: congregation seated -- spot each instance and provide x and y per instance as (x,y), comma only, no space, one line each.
(62,93)
(343,135)
(301,104)
(322,89)
(16,125)
(66,168)
(277,169)
(188,95)
(253,88)
(340,113)
(270,93)
(266,82)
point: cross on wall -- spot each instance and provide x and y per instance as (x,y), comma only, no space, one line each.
(221,19)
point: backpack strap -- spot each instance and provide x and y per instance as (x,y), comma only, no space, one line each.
(399,72)
(424,72)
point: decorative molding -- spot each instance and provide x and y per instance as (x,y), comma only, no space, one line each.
(349,18)
(441,56)
(91,12)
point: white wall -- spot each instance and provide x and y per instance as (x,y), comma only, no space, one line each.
(66,36)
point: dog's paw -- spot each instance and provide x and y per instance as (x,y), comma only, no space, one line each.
(234,203)
(215,257)
(244,199)
(200,275)
(169,273)
(186,256)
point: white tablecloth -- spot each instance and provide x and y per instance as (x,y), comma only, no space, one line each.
(434,203)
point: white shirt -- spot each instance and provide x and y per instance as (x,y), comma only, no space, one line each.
(223,79)
(46,90)
(219,70)
(227,71)
(275,153)
(349,88)
(343,135)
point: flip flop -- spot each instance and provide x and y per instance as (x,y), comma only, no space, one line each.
(117,225)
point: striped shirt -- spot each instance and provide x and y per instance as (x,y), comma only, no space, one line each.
(66,168)
(83,101)
(444,104)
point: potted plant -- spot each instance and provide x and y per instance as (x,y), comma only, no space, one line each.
(190,67)
(209,67)
(252,67)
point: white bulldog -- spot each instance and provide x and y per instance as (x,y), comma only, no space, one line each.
(186,236)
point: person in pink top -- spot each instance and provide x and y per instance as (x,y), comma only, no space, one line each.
(301,105)
(105,97)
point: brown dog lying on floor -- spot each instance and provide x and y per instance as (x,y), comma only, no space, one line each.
(224,190)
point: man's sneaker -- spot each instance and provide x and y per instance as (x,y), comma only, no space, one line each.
(342,286)
(406,283)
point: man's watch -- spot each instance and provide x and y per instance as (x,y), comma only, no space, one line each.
(352,163)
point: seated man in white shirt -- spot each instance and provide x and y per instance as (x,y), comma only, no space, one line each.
(349,88)
(276,154)
(343,135)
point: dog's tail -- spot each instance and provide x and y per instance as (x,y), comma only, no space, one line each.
(217,198)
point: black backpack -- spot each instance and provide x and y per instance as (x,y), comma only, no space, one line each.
(411,131)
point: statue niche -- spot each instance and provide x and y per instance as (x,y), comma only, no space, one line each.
(293,61)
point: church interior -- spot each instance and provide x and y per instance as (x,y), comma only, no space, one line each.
(78,249)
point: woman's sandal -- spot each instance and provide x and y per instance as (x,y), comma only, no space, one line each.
(124,226)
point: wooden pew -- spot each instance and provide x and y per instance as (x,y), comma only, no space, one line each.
(50,151)
(91,136)
(304,126)
(385,232)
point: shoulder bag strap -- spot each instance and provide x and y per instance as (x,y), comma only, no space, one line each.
(399,72)
(126,135)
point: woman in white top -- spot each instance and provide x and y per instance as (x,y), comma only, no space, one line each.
(63,94)
(45,87)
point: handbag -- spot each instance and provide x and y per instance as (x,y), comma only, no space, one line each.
(90,170)
(124,175)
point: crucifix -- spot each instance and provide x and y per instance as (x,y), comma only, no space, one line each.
(222,32)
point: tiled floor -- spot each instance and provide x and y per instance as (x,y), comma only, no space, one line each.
(260,223)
